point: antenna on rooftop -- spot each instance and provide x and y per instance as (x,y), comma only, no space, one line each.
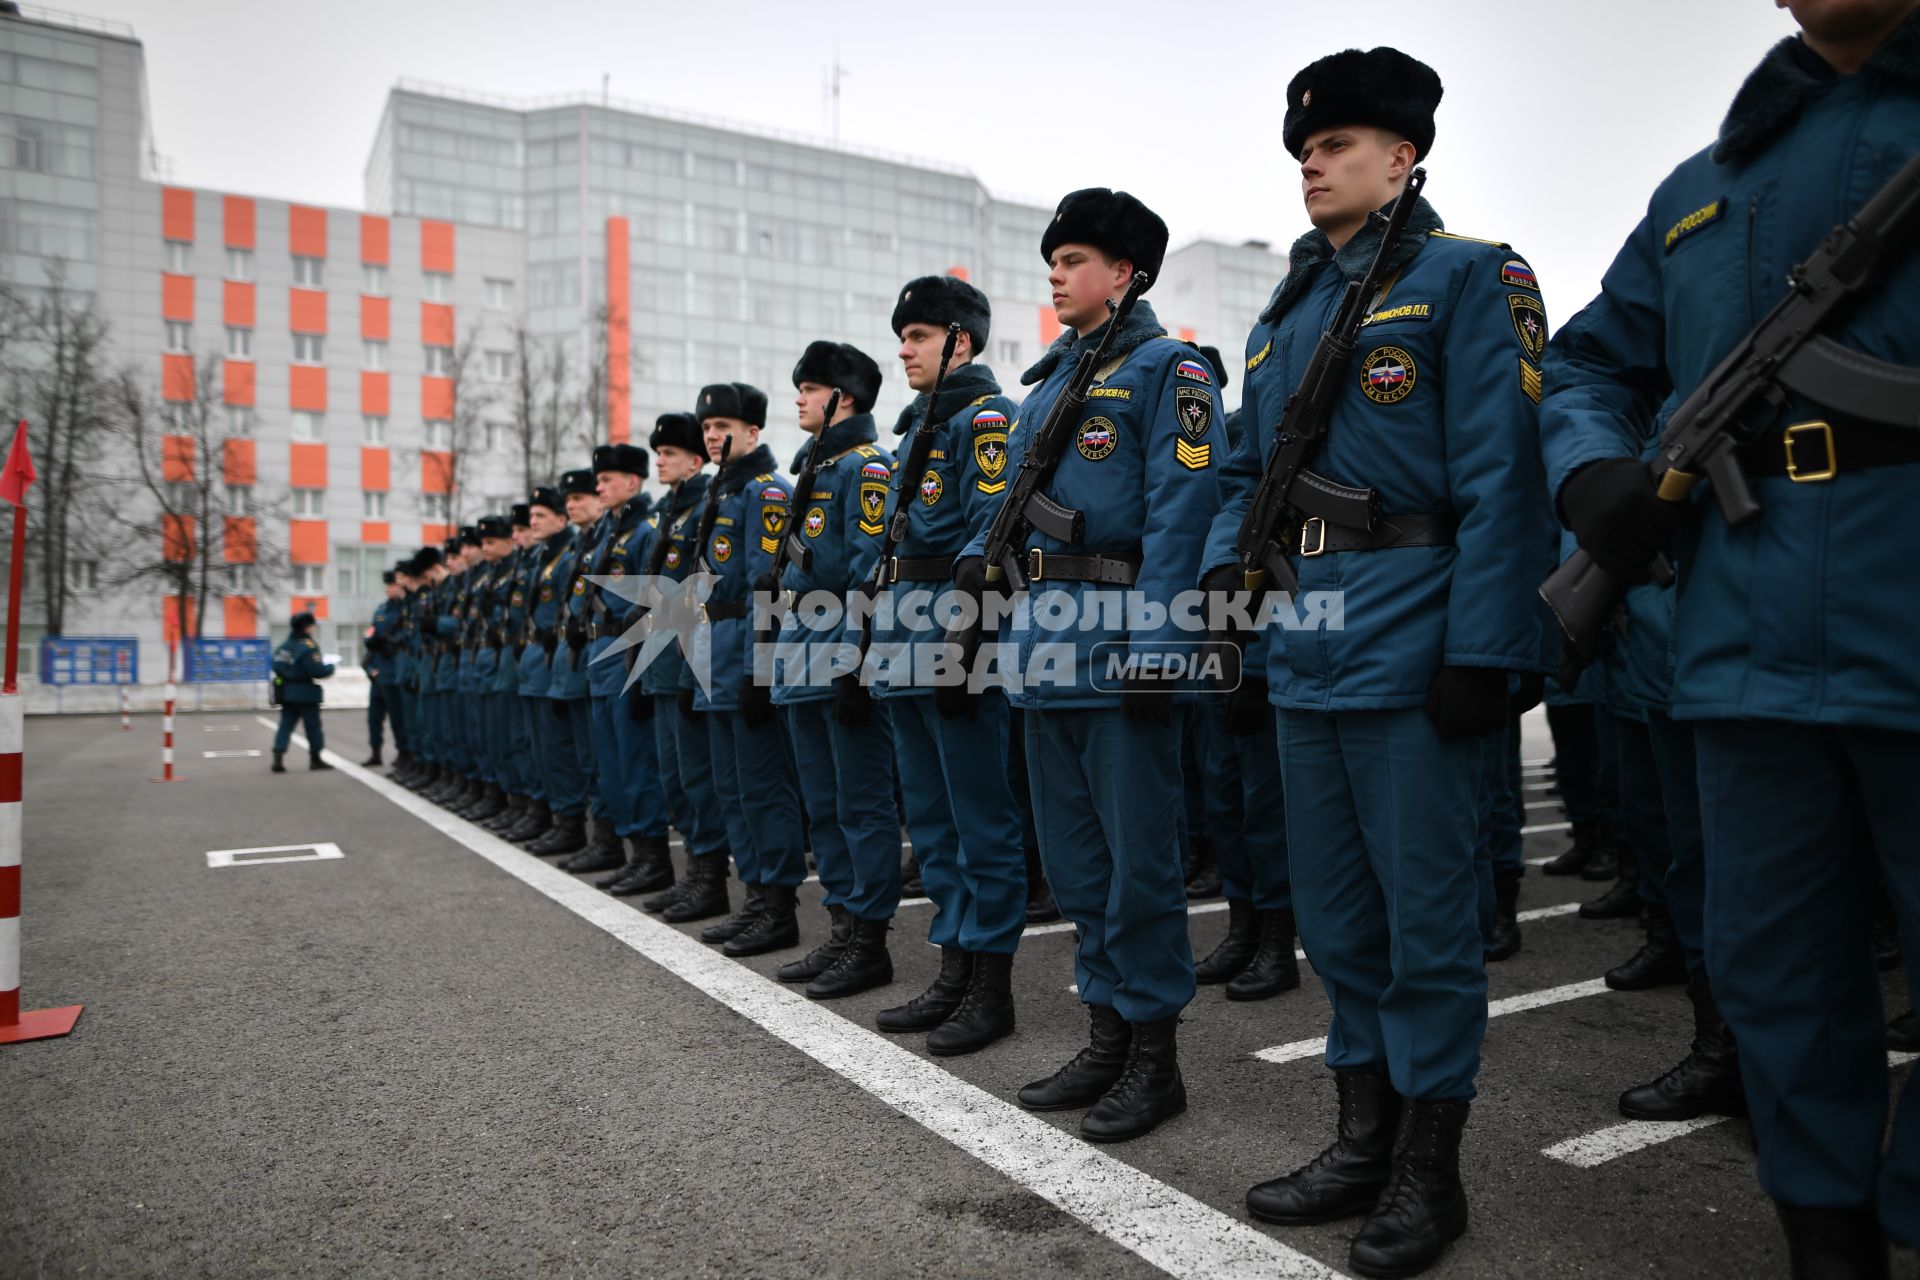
(835,75)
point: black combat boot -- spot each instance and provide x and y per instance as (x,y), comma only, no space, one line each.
(1604,865)
(1423,1207)
(706,891)
(1658,963)
(1506,913)
(1622,901)
(774,929)
(1041,908)
(604,852)
(279,762)
(373,760)
(1587,837)
(936,1004)
(1347,1177)
(865,963)
(736,924)
(567,835)
(649,868)
(450,785)
(1707,1081)
(1236,950)
(1148,1091)
(1089,1073)
(315,763)
(471,790)
(911,886)
(986,1011)
(1273,968)
(821,958)
(1903,1033)
(493,803)
(510,813)
(1834,1244)
(1203,872)
(659,902)
(532,824)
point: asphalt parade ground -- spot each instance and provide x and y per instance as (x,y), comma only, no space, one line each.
(386,1043)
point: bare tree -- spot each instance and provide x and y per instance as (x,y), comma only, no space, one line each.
(591,424)
(451,466)
(538,397)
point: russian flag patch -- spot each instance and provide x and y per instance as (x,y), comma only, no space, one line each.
(1195,370)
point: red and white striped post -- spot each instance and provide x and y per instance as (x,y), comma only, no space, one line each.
(166,724)
(126,722)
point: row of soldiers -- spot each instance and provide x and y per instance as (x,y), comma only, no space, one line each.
(1358,781)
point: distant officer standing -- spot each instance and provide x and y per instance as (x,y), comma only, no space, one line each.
(486,629)
(515,759)
(383,672)
(569,727)
(450,605)
(297,672)
(549,538)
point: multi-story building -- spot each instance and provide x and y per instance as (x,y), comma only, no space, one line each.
(368,361)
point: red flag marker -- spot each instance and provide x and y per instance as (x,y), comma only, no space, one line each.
(19,472)
(14,479)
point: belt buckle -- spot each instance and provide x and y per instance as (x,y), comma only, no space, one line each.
(1826,472)
(1313,537)
(1036,564)
(893,569)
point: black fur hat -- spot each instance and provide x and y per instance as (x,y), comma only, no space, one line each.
(573,482)
(678,431)
(941,301)
(494,527)
(630,458)
(547,496)
(734,400)
(469,536)
(839,364)
(425,558)
(520,515)
(1113,222)
(1382,87)
(301,621)
(386,577)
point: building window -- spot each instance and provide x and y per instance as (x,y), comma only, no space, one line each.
(309,504)
(239,579)
(83,575)
(373,356)
(499,295)
(439,361)
(309,579)
(373,280)
(182,497)
(343,579)
(439,286)
(309,348)
(373,429)
(499,366)
(496,437)
(373,505)
(309,428)
(180,257)
(179,336)
(308,273)
(239,343)
(239,264)
(240,420)
(434,508)
(438,433)
(239,499)
(1009,353)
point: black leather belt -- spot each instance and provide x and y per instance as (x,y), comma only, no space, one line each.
(931,569)
(723,610)
(1318,537)
(1113,571)
(1808,452)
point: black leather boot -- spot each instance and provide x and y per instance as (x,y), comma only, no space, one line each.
(1347,1177)
(1604,865)
(911,885)
(279,762)
(1506,912)
(865,963)
(1587,837)
(1089,1073)
(986,1011)
(1203,873)
(1707,1080)
(1273,968)
(1041,908)
(774,929)
(1622,901)
(532,824)
(373,760)
(821,958)
(1903,1034)
(1423,1207)
(647,857)
(1235,951)
(936,1004)
(423,778)
(736,924)
(659,902)
(1658,963)
(567,835)
(493,802)
(402,762)
(706,890)
(510,813)
(604,852)
(471,789)
(1834,1244)
(315,763)
(449,786)
(1148,1092)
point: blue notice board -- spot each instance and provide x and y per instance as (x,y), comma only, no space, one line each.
(89,660)
(228,661)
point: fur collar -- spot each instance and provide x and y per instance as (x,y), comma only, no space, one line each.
(692,490)
(1773,96)
(963,386)
(741,470)
(1142,326)
(846,434)
(1353,258)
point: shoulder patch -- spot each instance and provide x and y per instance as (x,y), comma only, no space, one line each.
(1193,370)
(1193,406)
(773,493)
(1448,235)
(1704,216)
(1530,381)
(1516,274)
(877,471)
(866,451)
(1254,361)
(1194,457)
(990,420)
(1387,375)
(1529,323)
(763,477)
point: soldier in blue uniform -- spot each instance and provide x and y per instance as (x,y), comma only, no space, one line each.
(449,615)
(840,741)
(427,570)
(564,778)
(952,754)
(1793,632)
(569,724)
(535,594)
(486,640)
(1107,786)
(297,671)
(1383,723)
(503,715)
(383,674)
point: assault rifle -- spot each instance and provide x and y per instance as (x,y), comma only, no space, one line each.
(789,547)
(711,512)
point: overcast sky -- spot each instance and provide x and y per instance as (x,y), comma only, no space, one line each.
(1559,115)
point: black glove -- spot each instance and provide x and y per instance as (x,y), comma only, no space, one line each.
(559,708)
(376,644)
(639,705)
(576,634)
(548,641)
(1533,687)
(1468,702)
(1248,709)
(1147,701)
(756,703)
(956,701)
(852,703)
(1617,517)
(683,702)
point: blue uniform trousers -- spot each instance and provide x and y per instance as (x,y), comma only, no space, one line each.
(972,856)
(1574,758)
(560,756)
(377,715)
(580,737)
(1499,847)
(637,764)
(1107,798)
(666,759)
(473,715)
(1660,803)
(453,734)
(1017,779)
(419,730)
(530,742)
(846,782)
(1258,869)
(308,714)
(1798,820)
(614,797)
(754,784)
(686,769)
(1382,819)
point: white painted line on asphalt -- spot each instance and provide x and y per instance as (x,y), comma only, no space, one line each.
(1495,1009)
(1546,826)
(1162,1225)
(1548,913)
(1538,786)
(1542,804)
(1066,926)
(228,755)
(288,852)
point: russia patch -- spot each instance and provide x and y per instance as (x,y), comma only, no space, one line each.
(1195,370)
(1517,274)
(990,420)
(877,471)
(773,493)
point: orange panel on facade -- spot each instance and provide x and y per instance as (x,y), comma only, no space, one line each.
(373,239)
(306,311)
(433,534)
(176,297)
(175,613)
(307,466)
(1049,326)
(375,469)
(1186,335)
(176,459)
(375,317)
(436,324)
(375,393)
(176,537)
(436,246)
(619,387)
(315,605)
(375,533)
(958,273)
(242,616)
(237,382)
(436,471)
(307,388)
(242,542)
(237,462)
(306,231)
(176,377)
(307,541)
(237,213)
(436,399)
(176,213)
(236,304)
